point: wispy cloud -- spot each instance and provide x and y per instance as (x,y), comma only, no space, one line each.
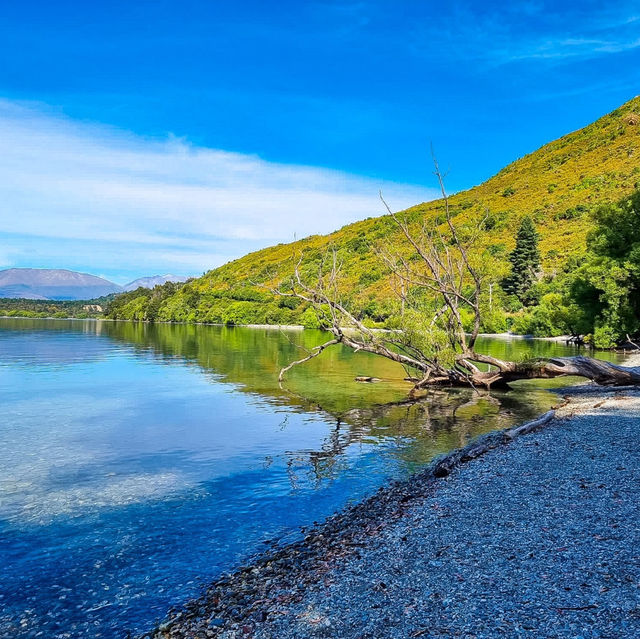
(85,196)
(531,31)
(567,49)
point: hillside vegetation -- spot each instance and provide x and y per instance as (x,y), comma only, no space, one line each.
(558,186)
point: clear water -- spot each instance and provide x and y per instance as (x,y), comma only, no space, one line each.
(138,462)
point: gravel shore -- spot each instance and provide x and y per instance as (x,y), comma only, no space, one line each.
(535,537)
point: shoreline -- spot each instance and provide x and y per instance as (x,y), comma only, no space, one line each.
(288,327)
(560,339)
(291,327)
(241,603)
(284,327)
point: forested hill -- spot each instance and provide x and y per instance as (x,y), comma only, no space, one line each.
(557,185)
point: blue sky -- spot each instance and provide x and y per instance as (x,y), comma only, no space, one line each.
(146,137)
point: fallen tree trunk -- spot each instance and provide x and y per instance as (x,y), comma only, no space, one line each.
(466,372)
(598,371)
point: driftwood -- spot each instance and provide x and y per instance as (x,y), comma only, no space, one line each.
(443,467)
(465,372)
(523,429)
(595,370)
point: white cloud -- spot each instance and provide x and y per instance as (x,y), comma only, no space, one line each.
(95,195)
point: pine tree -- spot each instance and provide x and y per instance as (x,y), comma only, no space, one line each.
(525,262)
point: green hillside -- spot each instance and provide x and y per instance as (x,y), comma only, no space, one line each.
(558,186)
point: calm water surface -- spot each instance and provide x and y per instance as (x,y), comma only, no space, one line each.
(138,462)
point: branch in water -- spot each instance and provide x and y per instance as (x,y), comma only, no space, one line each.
(314,353)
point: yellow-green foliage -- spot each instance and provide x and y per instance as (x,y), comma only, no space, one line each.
(557,186)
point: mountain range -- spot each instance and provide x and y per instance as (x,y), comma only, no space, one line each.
(62,284)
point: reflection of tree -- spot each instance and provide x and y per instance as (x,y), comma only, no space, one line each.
(250,359)
(324,462)
(418,430)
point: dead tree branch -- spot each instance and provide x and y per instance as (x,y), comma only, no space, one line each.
(440,259)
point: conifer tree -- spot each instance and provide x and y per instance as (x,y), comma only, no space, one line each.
(525,262)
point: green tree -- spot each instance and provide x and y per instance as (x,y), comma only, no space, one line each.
(607,286)
(525,263)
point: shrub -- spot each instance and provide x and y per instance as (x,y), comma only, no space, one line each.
(309,319)
(494,321)
(605,336)
(553,317)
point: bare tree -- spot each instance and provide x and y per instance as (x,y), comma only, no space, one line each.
(436,346)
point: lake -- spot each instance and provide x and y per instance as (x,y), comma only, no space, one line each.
(138,462)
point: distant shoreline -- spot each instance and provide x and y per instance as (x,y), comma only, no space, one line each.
(288,327)
(297,327)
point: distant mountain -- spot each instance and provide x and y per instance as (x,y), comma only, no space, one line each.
(53,284)
(153,280)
